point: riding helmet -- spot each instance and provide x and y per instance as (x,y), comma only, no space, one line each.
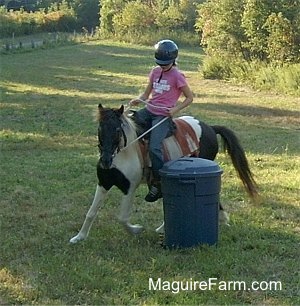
(166,51)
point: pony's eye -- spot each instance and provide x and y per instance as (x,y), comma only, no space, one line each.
(118,131)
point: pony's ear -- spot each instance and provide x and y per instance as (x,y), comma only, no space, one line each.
(121,110)
(99,113)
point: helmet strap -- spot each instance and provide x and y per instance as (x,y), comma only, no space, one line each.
(161,74)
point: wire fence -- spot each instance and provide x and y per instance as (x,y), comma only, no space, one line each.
(44,40)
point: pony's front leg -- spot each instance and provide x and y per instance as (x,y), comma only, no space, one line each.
(125,212)
(91,215)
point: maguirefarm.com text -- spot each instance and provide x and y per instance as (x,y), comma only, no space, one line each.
(212,283)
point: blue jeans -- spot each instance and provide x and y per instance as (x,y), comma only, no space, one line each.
(157,135)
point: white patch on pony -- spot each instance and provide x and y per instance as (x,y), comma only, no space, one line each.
(186,141)
(223,218)
(194,123)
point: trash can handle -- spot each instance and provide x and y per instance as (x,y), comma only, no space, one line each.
(187,180)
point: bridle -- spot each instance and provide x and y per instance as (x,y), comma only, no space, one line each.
(121,134)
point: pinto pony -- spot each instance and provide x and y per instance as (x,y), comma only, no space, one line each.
(121,162)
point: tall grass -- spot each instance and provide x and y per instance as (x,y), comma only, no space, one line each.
(48,158)
(283,79)
(259,75)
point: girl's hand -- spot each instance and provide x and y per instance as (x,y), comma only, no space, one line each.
(135,102)
(173,111)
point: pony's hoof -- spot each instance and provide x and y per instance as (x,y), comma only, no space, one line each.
(223,218)
(134,229)
(76,238)
(161,228)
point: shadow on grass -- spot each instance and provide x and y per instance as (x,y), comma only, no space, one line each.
(57,117)
(250,111)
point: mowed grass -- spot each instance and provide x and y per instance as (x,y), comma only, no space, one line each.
(48,179)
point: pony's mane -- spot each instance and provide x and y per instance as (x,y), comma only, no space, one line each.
(128,124)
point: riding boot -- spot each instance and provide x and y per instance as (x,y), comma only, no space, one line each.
(155,188)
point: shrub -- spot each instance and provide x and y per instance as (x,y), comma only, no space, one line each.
(284,79)
(216,68)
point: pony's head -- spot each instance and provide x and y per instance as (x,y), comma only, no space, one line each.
(110,134)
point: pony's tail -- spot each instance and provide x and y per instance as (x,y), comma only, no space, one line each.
(238,157)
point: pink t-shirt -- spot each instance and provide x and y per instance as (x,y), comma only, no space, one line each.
(167,91)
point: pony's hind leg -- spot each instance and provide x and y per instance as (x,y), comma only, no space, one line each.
(91,215)
(223,219)
(161,228)
(223,216)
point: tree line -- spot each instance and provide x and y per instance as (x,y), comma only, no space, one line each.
(251,29)
(234,34)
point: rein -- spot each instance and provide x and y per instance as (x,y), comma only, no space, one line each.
(148,104)
(149,130)
(145,133)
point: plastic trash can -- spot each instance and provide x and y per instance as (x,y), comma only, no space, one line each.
(191,196)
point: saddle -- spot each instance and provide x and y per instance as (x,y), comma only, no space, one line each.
(183,141)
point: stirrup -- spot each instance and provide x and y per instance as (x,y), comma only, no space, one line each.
(154,194)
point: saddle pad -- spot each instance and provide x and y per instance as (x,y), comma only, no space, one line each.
(185,141)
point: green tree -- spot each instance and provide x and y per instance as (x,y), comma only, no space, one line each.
(254,18)
(170,18)
(280,41)
(219,24)
(263,30)
(135,17)
(117,15)
(108,9)
(87,12)
(188,9)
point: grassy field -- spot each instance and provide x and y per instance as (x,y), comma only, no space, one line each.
(48,178)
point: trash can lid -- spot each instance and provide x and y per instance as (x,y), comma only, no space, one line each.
(190,166)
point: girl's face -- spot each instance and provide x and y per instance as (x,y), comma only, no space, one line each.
(166,67)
